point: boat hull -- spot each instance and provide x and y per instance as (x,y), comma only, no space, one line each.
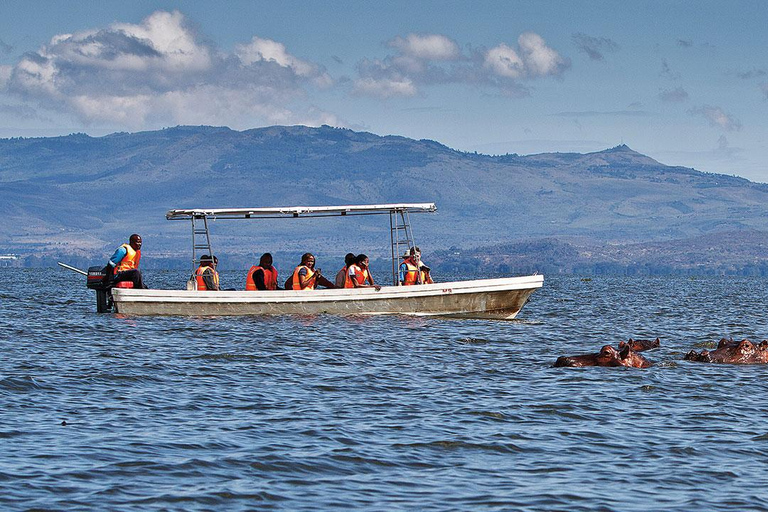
(483,298)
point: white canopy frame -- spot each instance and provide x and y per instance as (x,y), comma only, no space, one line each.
(401,234)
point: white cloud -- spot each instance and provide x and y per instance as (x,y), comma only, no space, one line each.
(717,117)
(540,59)
(431,59)
(271,51)
(384,87)
(427,46)
(504,61)
(533,59)
(161,71)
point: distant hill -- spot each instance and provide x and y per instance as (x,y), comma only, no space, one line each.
(81,195)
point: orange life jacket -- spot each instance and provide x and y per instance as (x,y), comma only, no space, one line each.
(411,275)
(297,280)
(360,276)
(270,278)
(199,277)
(130,261)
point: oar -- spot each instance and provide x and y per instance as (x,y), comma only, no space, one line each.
(73,269)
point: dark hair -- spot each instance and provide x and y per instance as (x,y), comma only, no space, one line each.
(414,250)
(306,256)
(205,257)
(361,258)
(349,258)
(266,257)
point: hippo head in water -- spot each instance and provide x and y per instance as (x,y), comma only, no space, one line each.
(608,356)
(733,352)
(640,345)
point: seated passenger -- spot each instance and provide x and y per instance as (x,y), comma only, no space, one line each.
(307,277)
(341,275)
(206,276)
(413,270)
(358,274)
(263,276)
(124,264)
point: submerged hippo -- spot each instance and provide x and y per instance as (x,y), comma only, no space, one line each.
(640,345)
(733,352)
(608,356)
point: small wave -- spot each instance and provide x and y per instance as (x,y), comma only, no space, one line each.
(295,467)
(473,341)
(463,445)
(115,377)
(555,469)
(226,357)
(356,459)
(19,384)
(11,434)
(488,414)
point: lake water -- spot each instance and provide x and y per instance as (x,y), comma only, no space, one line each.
(382,413)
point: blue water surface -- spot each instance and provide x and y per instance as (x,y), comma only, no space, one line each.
(321,412)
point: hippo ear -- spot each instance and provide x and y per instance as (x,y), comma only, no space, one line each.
(624,352)
(723,342)
(657,342)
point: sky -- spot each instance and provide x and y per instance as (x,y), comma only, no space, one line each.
(684,82)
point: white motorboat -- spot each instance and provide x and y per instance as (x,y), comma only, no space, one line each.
(483,298)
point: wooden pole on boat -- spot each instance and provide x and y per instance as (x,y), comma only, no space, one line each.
(73,269)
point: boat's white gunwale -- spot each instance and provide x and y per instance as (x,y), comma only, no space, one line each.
(477,286)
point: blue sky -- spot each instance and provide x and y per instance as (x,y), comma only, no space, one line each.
(683,82)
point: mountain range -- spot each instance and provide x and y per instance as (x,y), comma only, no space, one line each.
(79,196)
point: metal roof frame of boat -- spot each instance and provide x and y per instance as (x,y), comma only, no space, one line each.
(401,235)
(300,211)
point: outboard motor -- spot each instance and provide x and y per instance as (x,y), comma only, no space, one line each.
(96,282)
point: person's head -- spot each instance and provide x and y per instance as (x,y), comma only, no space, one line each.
(265,260)
(415,252)
(308,260)
(215,261)
(135,242)
(361,260)
(349,259)
(206,260)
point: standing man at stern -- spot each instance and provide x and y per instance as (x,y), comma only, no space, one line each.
(124,264)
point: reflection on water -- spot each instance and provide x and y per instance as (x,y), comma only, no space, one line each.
(381,413)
